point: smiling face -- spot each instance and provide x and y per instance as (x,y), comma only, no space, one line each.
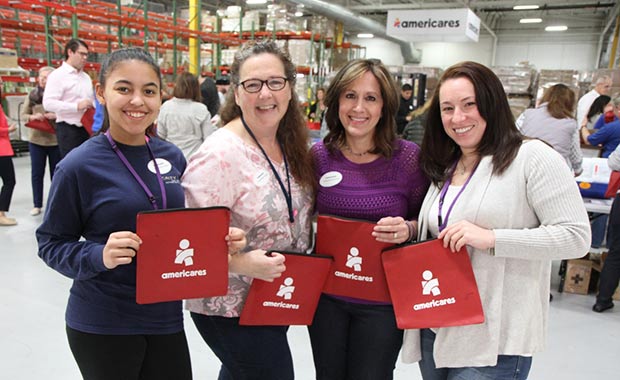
(132,97)
(459,113)
(266,107)
(360,107)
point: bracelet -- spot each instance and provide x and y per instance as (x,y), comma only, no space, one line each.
(411,231)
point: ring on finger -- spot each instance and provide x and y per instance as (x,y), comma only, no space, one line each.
(395,235)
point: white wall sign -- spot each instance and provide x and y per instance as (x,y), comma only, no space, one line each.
(434,25)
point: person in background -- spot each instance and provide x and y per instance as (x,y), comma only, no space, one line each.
(88,232)
(68,94)
(602,86)
(610,274)
(184,120)
(381,182)
(259,166)
(42,146)
(405,108)
(209,94)
(600,106)
(222,85)
(552,122)
(414,130)
(7,170)
(608,135)
(512,202)
(316,110)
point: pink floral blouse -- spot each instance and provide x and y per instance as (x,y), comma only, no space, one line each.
(225,171)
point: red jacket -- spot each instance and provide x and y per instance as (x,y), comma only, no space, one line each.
(5,143)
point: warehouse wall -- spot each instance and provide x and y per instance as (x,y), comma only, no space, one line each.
(544,52)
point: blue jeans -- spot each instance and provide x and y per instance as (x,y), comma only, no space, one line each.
(508,367)
(610,275)
(354,341)
(247,352)
(39,154)
(598,225)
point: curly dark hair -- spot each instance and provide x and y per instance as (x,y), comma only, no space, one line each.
(501,138)
(292,131)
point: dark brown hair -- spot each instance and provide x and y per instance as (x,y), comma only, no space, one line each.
(561,101)
(187,87)
(292,131)
(501,138)
(385,131)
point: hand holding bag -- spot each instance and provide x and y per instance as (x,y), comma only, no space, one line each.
(41,125)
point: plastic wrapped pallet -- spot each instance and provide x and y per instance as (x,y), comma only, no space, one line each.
(516,79)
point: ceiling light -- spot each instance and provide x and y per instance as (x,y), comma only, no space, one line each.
(530,20)
(253,2)
(299,14)
(556,28)
(525,7)
(365,35)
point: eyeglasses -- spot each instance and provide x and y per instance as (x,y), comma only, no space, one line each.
(255,85)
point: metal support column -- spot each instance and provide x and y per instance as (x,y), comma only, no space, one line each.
(194,43)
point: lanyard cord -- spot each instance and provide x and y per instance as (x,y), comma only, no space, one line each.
(287,194)
(148,192)
(442,223)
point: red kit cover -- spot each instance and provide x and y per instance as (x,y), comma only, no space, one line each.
(357,270)
(290,299)
(432,286)
(183,254)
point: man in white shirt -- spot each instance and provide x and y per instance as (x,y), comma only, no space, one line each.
(602,86)
(69,93)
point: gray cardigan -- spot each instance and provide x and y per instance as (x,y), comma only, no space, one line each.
(537,215)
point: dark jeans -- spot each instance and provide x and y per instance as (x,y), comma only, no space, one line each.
(610,275)
(354,341)
(598,225)
(247,352)
(131,357)
(7,172)
(39,154)
(69,136)
(508,367)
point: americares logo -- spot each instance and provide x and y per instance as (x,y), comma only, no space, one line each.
(184,256)
(354,261)
(285,291)
(430,286)
(426,24)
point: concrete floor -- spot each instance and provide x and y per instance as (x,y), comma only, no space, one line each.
(581,344)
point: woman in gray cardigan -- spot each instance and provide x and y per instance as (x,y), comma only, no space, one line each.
(514,204)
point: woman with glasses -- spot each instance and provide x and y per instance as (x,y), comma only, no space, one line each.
(380,180)
(259,166)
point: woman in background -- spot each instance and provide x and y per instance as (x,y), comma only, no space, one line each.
(552,121)
(184,120)
(42,145)
(7,170)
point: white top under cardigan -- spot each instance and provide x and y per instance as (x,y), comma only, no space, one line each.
(537,215)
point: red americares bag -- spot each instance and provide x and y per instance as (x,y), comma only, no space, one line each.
(290,299)
(183,254)
(431,286)
(41,125)
(357,270)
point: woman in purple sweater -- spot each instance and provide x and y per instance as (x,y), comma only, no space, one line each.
(379,180)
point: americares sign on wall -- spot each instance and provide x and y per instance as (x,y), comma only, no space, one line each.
(434,25)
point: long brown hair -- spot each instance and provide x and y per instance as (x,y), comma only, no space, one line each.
(501,138)
(385,131)
(561,101)
(292,131)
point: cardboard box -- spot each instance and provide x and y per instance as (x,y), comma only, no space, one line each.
(578,274)
(8,58)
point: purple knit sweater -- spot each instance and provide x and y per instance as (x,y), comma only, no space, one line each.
(371,191)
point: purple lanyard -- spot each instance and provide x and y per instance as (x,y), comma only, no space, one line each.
(441,223)
(148,192)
